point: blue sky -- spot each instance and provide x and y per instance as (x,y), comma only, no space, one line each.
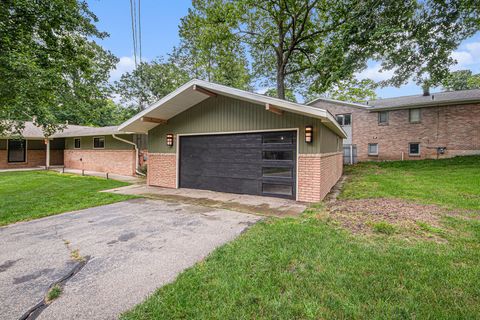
(160,20)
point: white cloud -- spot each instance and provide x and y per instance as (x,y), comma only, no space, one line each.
(374,73)
(467,57)
(263,90)
(126,64)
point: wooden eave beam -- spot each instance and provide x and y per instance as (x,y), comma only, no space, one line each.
(204,91)
(273,109)
(153,120)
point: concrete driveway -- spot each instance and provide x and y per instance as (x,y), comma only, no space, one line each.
(110,257)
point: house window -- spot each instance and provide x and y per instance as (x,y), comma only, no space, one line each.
(415,116)
(98,142)
(77,143)
(414,149)
(344,119)
(277,155)
(383,117)
(373,149)
(17,151)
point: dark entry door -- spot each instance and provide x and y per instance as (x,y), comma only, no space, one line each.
(248,163)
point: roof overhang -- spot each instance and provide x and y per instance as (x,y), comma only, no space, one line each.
(196,91)
(339,102)
(425,105)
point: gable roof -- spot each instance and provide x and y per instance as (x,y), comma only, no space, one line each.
(31,131)
(185,97)
(434,99)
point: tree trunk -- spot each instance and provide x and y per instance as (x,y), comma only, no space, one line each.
(280,81)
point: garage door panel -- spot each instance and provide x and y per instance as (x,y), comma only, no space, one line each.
(251,163)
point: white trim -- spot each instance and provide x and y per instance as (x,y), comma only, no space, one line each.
(177,151)
(368,151)
(246,96)
(74,143)
(26,153)
(93,142)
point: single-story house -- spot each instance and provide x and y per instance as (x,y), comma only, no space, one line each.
(423,126)
(102,149)
(213,137)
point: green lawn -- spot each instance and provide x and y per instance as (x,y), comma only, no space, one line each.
(34,194)
(454,183)
(311,268)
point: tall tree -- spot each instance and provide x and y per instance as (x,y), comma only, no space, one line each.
(461,80)
(352,90)
(49,65)
(149,82)
(208,50)
(314,44)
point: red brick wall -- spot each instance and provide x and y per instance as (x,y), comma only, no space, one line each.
(317,174)
(113,161)
(162,170)
(455,127)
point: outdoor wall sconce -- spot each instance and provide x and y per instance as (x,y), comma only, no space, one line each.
(308,134)
(170,139)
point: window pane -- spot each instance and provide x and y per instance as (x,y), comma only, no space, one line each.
(282,189)
(414,148)
(373,148)
(98,142)
(382,117)
(278,138)
(16,150)
(340,119)
(277,155)
(414,115)
(277,172)
(77,143)
(347,120)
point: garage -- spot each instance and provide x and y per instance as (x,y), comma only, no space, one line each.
(209,136)
(260,163)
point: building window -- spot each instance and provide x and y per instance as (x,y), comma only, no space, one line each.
(17,151)
(77,143)
(277,155)
(98,142)
(373,149)
(279,189)
(276,172)
(414,149)
(414,115)
(344,119)
(383,117)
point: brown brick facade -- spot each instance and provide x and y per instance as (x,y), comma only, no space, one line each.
(317,174)
(162,170)
(35,158)
(113,161)
(455,127)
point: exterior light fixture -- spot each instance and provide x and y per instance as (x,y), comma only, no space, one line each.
(170,139)
(308,134)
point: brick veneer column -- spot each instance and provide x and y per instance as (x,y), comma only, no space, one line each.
(162,170)
(317,174)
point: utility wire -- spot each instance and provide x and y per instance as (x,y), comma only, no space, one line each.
(134,38)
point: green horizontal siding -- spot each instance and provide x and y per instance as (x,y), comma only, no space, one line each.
(86,143)
(224,114)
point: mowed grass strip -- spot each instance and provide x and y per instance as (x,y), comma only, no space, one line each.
(306,269)
(310,268)
(453,183)
(34,194)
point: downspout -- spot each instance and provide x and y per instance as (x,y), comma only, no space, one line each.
(136,152)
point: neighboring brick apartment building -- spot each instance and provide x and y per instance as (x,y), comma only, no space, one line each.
(427,126)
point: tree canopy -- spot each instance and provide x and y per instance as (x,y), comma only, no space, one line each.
(461,80)
(313,45)
(51,70)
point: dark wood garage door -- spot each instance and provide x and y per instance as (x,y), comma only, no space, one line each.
(250,163)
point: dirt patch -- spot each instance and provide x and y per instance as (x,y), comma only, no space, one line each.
(365,216)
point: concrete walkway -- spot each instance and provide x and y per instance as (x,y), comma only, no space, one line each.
(129,249)
(268,206)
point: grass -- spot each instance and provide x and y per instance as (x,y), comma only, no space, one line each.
(310,268)
(35,194)
(453,183)
(384,227)
(54,293)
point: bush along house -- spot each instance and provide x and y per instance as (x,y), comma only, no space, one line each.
(213,137)
(428,126)
(100,149)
